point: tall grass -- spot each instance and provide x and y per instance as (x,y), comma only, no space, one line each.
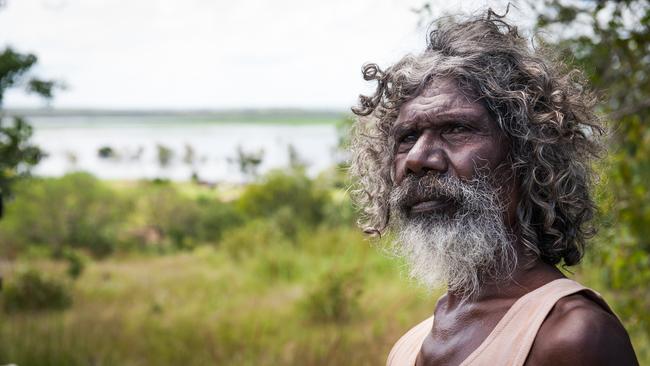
(192,279)
(272,306)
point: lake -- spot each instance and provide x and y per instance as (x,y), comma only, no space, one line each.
(133,146)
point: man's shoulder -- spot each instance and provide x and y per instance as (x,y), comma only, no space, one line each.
(578,331)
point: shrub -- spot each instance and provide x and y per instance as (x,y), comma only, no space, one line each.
(339,211)
(216,218)
(256,235)
(335,298)
(76,264)
(76,210)
(278,189)
(106,152)
(174,215)
(31,291)
(279,264)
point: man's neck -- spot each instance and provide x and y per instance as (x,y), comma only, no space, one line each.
(523,279)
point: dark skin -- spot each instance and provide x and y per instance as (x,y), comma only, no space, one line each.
(442,131)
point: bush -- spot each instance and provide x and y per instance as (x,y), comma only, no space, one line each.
(256,235)
(216,218)
(31,291)
(279,264)
(340,211)
(174,215)
(76,264)
(336,298)
(76,210)
(291,190)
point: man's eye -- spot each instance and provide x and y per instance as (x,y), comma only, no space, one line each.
(458,129)
(410,137)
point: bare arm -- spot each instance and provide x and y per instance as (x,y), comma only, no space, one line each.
(579,332)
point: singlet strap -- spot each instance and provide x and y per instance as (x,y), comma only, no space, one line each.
(406,350)
(511,340)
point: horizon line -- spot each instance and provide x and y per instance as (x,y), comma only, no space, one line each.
(14,111)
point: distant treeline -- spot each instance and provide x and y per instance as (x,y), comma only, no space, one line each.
(233,115)
(80,212)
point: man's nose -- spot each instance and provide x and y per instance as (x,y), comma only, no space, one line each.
(426,155)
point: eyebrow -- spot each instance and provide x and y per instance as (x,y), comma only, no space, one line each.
(444,116)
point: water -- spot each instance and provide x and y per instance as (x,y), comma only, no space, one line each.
(72,144)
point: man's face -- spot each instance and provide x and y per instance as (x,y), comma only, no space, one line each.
(449,207)
(443,133)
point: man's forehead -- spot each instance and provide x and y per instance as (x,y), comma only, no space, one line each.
(441,97)
(439,86)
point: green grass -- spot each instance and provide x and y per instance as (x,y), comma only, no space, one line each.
(328,298)
(205,307)
(274,287)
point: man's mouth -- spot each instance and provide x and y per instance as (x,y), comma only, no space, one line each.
(431,205)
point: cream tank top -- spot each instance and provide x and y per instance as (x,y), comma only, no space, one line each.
(510,341)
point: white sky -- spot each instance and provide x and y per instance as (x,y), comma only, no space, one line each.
(185,54)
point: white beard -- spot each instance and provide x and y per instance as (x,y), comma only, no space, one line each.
(464,250)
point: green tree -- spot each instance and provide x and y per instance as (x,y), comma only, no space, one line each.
(17,155)
(613,49)
(248,162)
(165,155)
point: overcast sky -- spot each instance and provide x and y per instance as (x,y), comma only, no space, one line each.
(213,54)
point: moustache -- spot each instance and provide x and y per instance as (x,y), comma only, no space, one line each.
(413,190)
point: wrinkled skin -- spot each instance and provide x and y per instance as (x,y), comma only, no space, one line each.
(442,131)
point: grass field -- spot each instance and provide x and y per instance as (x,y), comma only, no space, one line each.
(334,301)
(275,288)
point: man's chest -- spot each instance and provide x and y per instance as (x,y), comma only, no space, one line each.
(453,339)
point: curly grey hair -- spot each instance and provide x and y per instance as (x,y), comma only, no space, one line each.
(543,107)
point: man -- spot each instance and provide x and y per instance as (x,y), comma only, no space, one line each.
(477,153)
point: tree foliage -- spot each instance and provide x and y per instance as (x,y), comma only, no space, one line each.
(17,155)
(610,40)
